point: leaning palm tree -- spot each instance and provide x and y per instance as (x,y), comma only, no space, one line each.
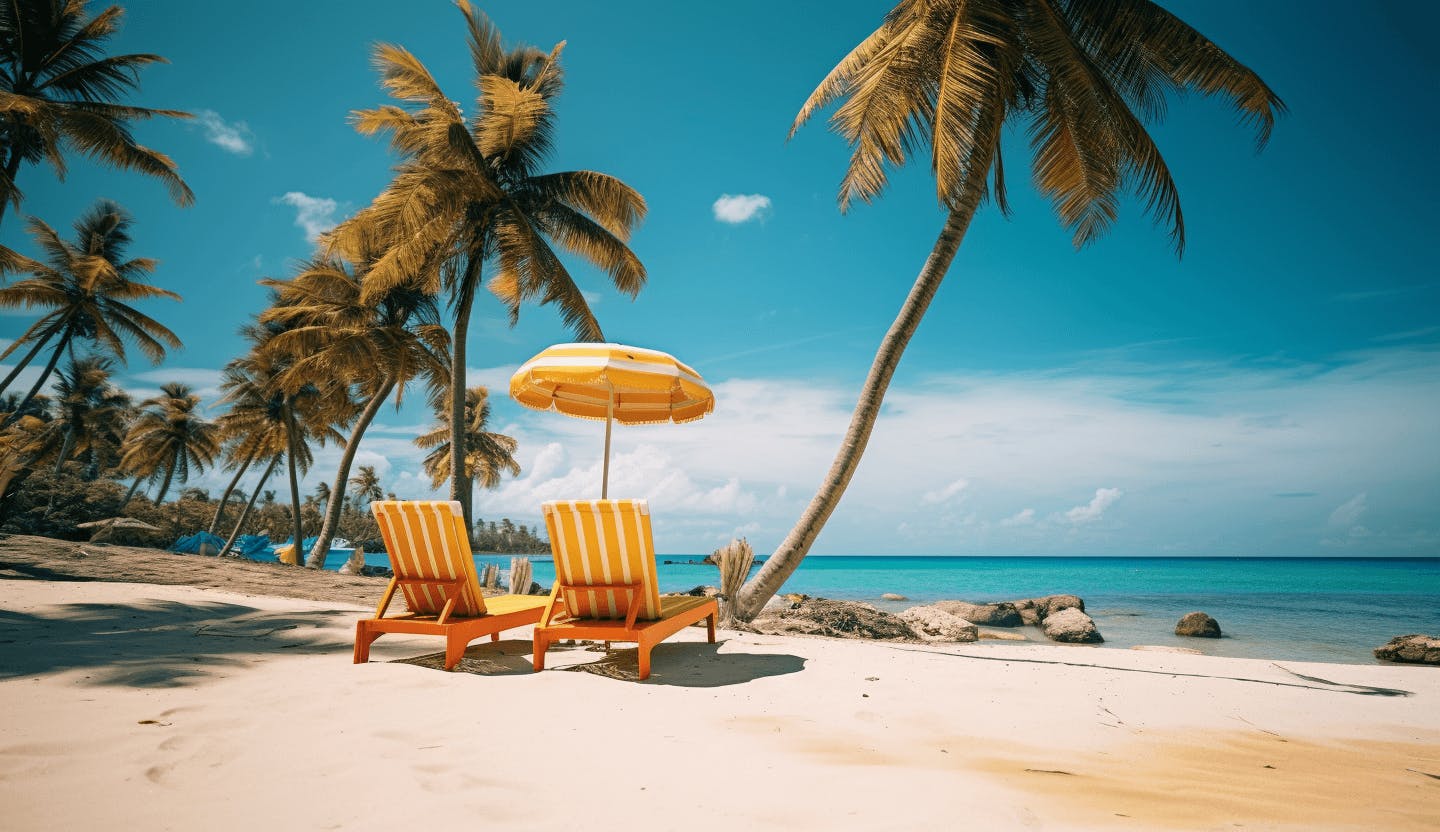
(488,455)
(90,411)
(367,486)
(471,193)
(947,77)
(85,288)
(59,93)
(376,345)
(171,436)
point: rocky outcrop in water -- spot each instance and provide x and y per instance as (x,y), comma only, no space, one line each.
(1036,610)
(839,619)
(930,623)
(892,596)
(1411,649)
(1197,625)
(1003,614)
(1071,626)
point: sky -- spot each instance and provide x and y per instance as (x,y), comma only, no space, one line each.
(1273,392)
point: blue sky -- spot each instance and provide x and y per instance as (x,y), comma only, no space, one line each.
(1273,393)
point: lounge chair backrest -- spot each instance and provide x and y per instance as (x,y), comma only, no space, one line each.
(603,542)
(430,554)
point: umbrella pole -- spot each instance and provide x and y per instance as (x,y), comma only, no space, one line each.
(609,418)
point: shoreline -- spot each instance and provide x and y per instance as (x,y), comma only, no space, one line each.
(184,706)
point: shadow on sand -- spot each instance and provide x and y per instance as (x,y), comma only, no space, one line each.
(683,664)
(158,644)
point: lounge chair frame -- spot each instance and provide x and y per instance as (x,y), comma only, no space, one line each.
(646,634)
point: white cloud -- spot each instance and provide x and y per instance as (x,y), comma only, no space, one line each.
(592,298)
(1349,512)
(232,137)
(738,208)
(203,381)
(497,379)
(1024,517)
(1104,498)
(946,494)
(314,214)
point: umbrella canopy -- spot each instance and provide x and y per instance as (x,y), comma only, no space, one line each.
(614,382)
(118,523)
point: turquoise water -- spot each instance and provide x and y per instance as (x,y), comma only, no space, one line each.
(1297,609)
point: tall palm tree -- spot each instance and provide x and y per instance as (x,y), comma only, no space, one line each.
(59,93)
(487,455)
(239,453)
(471,192)
(171,436)
(947,76)
(85,288)
(91,413)
(375,344)
(367,486)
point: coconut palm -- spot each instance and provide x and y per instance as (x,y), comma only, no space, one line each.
(171,438)
(471,193)
(239,453)
(59,94)
(947,77)
(376,344)
(90,413)
(85,287)
(488,455)
(367,486)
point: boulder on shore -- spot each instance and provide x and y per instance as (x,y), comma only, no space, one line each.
(930,623)
(1197,625)
(1071,626)
(1412,649)
(839,619)
(704,591)
(1002,614)
(1035,610)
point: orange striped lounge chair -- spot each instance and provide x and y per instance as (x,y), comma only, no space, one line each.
(435,572)
(605,582)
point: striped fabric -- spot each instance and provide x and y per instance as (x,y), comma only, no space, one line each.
(426,540)
(603,542)
(647,386)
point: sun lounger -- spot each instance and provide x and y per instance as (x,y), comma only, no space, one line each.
(435,574)
(605,585)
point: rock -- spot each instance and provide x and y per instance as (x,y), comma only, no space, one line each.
(704,591)
(994,615)
(356,564)
(1071,626)
(841,619)
(795,599)
(1162,648)
(1413,649)
(1197,625)
(998,635)
(1035,610)
(537,589)
(893,596)
(930,623)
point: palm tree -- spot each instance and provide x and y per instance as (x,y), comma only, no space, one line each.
(487,455)
(58,93)
(239,453)
(1084,76)
(367,486)
(90,411)
(376,345)
(471,192)
(171,436)
(85,287)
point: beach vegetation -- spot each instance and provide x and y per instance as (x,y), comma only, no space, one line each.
(488,455)
(944,80)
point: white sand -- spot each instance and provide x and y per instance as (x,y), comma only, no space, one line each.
(134,706)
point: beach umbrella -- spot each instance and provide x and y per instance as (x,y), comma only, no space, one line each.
(614,382)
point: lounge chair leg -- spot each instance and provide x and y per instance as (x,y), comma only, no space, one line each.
(454,652)
(710,627)
(541,645)
(643,651)
(494,637)
(363,639)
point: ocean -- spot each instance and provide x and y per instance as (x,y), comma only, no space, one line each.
(1295,609)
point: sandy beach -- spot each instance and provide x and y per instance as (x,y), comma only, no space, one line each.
(146,706)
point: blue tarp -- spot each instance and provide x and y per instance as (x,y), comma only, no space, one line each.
(190,544)
(252,545)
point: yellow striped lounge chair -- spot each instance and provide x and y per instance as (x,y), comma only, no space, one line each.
(435,573)
(605,583)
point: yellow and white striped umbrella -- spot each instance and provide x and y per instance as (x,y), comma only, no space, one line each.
(613,382)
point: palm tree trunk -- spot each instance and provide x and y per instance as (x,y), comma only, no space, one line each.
(169,475)
(459,481)
(134,486)
(250,504)
(40,382)
(336,505)
(290,438)
(65,448)
(779,566)
(230,489)
(5,385)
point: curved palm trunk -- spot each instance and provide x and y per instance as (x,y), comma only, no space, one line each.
(134,486)
(169,475)
(40,382)
(779,566)
(25,362)
(230,489)
(250,504)
(336,504)
(459,482)
(65,448)
(291,440)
